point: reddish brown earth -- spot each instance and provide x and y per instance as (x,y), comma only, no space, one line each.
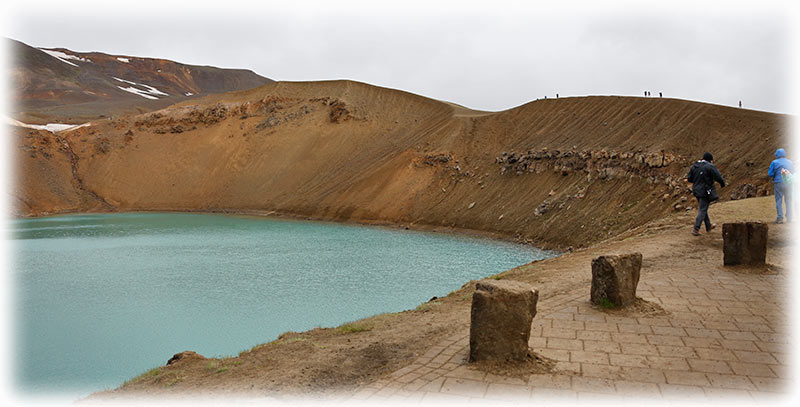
(598,174)
(352,152)
(48,90)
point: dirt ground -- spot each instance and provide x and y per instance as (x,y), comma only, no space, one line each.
(325,362)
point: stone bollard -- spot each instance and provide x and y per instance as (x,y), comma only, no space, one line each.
(500,327)
(744,243)
(614,279)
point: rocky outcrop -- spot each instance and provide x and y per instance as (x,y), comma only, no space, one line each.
(500,327)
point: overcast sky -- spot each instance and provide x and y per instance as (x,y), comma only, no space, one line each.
(490,55)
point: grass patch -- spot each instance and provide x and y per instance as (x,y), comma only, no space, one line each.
(222,370)
(353,328)
(606,303)
(154,372)
(426,306)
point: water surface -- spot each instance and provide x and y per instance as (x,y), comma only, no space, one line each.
(102,298)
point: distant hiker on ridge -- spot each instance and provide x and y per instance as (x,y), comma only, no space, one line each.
(740,104)
(780,171)
(660,94)
(702,175)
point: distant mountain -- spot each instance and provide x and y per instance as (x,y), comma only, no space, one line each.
(60,85)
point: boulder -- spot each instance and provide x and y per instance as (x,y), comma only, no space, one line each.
(500,327)
(183,356)
(614,279)
(744,243)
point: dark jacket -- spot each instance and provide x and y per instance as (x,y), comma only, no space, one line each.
(702,175)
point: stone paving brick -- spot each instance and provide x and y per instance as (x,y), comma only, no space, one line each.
(703,333)
(566,344)
(739,345)
(629,338)
(754,327)
(408,378)
(638,349)
(553,394)
(643,374)
(550,381)
(667,363)
(600,326)
(537,342)
(635,328)
(559,324)
(686,378)
(628,360)
(730,381)
(727,395)
(559,333)
(752,369)
(601,371)
(654,322)
(772,384)
(592,385)
(555,354)
(709,366)
(677,351)
(688,323)
(664,340)
(464,372)
(681,392)
(602,346)
(493,378)
(715,354)
(508,392)
(594,335)
(721,325)
(464,387)
(782,358)
(640,389)
(568,367)
(738,335)
(755,357)
(590,317)
(668,330)
(702,342)
(598,358)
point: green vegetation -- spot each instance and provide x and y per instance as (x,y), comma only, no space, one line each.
(607,304)
(154,372)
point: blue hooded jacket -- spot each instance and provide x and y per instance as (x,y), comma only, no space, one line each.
(777,164)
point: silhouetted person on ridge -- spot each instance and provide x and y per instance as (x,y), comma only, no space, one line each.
(660,94)
(780,170)
(740,104)
(702,175)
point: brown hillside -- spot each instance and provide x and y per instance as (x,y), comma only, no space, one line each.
(575,170)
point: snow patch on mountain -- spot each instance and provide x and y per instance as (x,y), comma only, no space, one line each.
(148,92)
(125,60)
(63,57)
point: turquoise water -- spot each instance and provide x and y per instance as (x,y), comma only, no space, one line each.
(102,298)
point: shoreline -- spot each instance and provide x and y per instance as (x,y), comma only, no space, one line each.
(263,213)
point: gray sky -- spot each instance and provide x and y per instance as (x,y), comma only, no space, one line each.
(490,55)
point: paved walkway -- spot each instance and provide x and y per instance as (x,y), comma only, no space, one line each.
(725,336)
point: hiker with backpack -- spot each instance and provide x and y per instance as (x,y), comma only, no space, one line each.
(781,170)
(702,176)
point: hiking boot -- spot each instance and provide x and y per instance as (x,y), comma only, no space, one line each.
(779,221)
(713,226)
(695,232)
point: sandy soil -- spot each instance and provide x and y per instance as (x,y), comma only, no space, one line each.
(325,362)
(350,152)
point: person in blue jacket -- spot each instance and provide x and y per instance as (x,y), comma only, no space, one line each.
(783,190)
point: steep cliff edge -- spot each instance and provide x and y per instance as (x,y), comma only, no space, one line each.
(558,173)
